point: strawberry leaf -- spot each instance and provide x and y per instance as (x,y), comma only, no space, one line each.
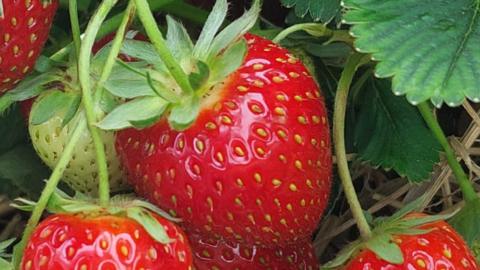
(134,111)
(467,221)
(385,248)
(319,10)
(21,172)
(429,47)
(389,132)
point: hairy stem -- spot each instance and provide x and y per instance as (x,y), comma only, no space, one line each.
(110,26)
(339,142)
(462,179)
(49,189)
(87,98)
(72,9)
(156,37)
(116,46)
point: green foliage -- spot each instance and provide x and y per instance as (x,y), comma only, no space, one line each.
(466,222)
(319,10)
(429,47)
(21,171)
(390,133)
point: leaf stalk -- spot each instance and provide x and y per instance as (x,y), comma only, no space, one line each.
(341,99)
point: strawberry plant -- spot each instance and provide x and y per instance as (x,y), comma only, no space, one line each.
(203,135)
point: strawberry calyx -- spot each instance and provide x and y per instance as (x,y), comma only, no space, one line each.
(207,64)
(385,230)
(121,205)
(5,264)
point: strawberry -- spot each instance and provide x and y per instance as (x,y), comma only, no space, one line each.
(439,248)
(408,241)
(218,254)
(129,234)
(65,242)
(254,164)
(49,138)
(24,26)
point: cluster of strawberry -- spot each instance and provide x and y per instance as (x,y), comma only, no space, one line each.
(248,180)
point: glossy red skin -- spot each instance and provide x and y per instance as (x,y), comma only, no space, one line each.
(67,242)
(24,30)
(440,249)
(220,255)
(235,196)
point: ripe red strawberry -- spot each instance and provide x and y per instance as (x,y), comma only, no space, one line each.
(255,166)
(217,254)
(24,26)
(440,248)
(91,242)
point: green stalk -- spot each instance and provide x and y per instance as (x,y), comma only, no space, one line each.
(84,78)
(339,142)
(462,179)
(156,37)
(320,30)
(72,9)
(49,189)
(108,27)
(116,47)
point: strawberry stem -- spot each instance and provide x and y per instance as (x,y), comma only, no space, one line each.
(320,30)
(49,189)
(462,179)
(72,9)
(88,103)
(156,37)
(115,50)
(341,98)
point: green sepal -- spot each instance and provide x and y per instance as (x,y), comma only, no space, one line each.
(129,80)
(44,64)
(228,62)
(383,246)
(149,223)
(343,256)
(212,26)
(467,222)
(200,76)
(29,87)
(144,51)
(160,90)
(144,123)
(154,209)
(133,111)
(4,245)
(5,265)
(234,31)
(72,110)
(185,113)
(179,42)
(50,105)
(108,102)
